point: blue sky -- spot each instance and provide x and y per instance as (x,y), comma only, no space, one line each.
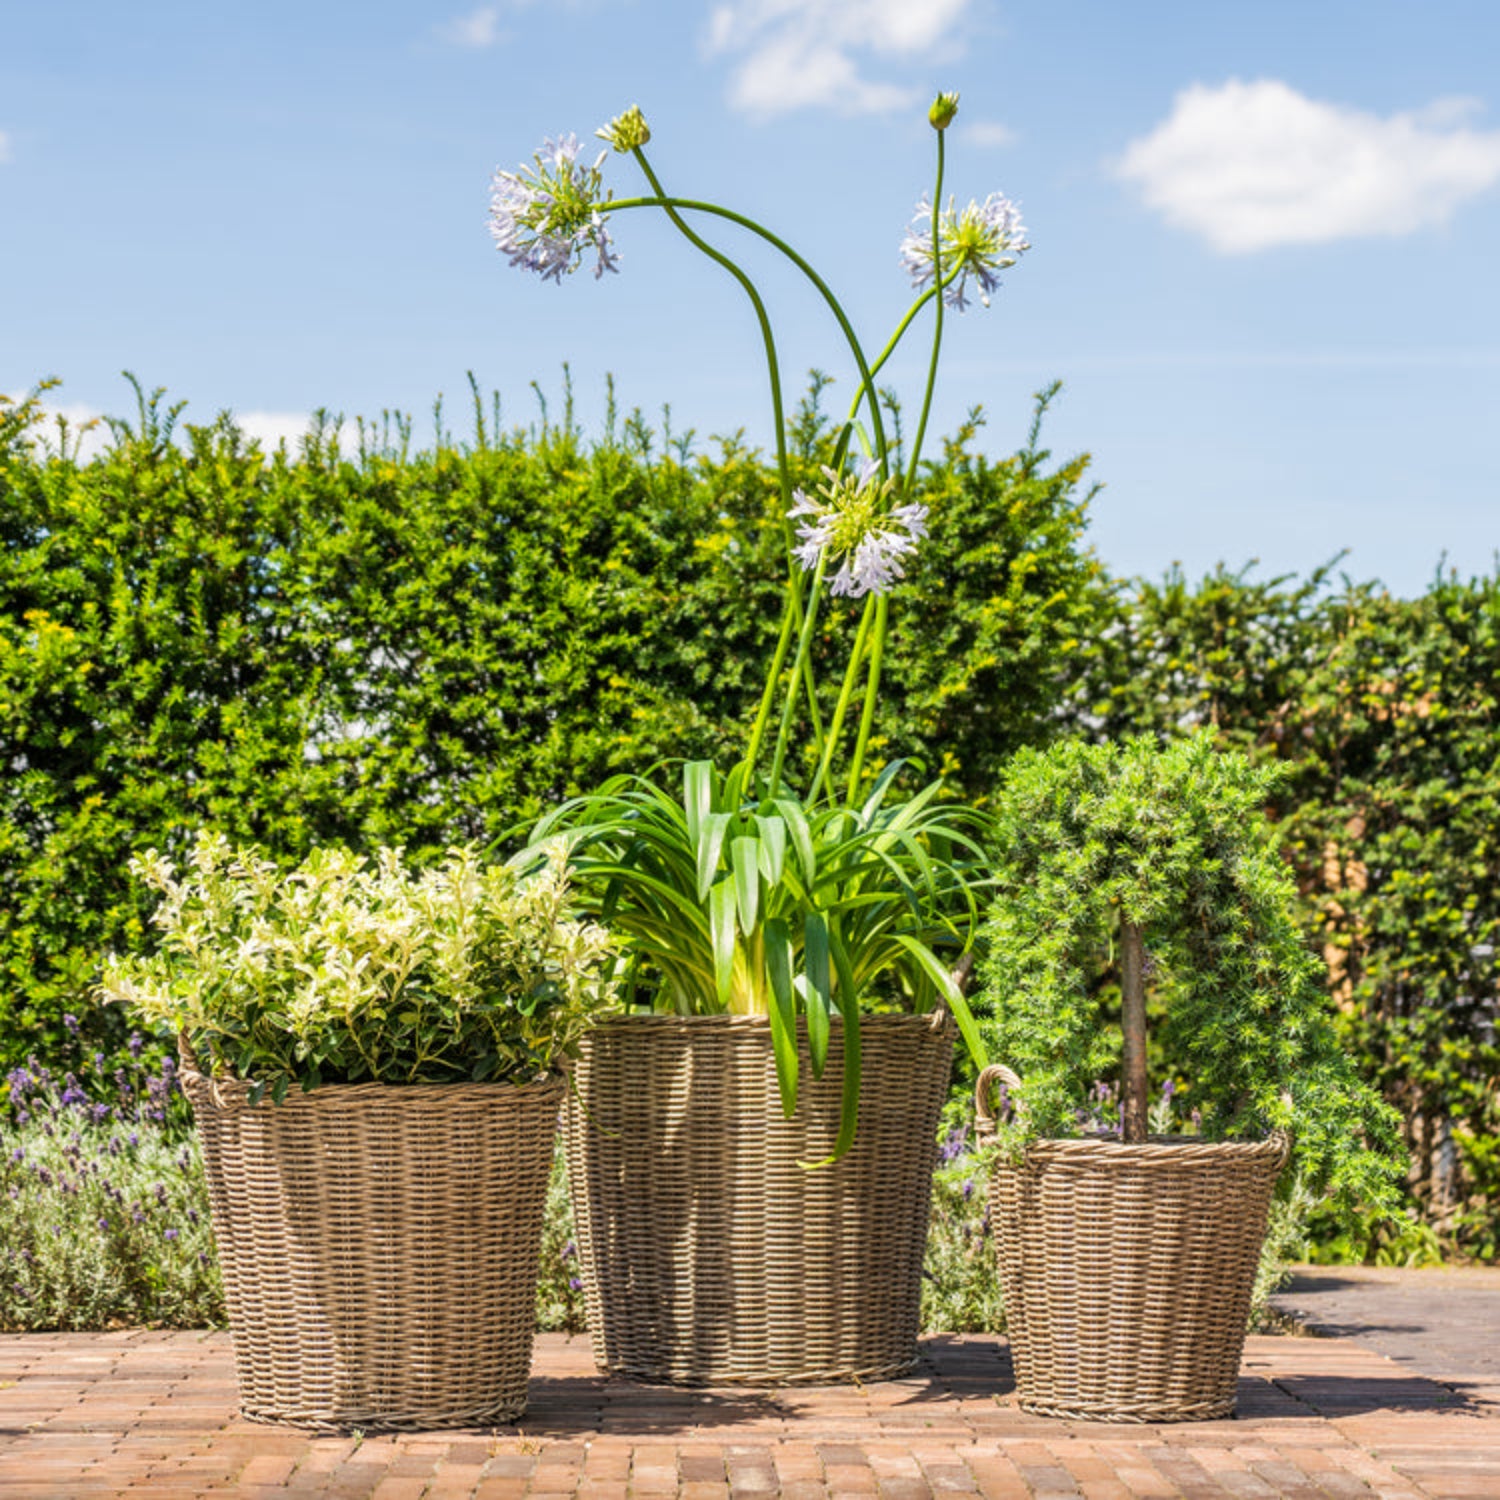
(1264,234)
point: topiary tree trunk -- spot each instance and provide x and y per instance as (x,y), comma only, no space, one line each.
(1133,1023)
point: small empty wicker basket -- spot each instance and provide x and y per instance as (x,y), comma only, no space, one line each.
(710,1254)
(1127,1271)
(379,1247)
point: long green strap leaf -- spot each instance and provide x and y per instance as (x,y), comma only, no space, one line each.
(697,795)
(721,921)
(819,996)
(801,835)
(849,1009)
(772,848)
(744,860)
(778,942)
(710,845)
(957,1005)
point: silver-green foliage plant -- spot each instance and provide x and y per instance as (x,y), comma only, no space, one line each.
(351,970)
(103,1207)
(1172,842)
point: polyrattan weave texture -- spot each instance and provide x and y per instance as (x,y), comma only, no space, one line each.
(380,1247)
(709,1255)
(1127,1270)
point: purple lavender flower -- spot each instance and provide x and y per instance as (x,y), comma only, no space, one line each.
(71,1022)
(575,1283)
(169,1234)
(952,1148)
(136,1045)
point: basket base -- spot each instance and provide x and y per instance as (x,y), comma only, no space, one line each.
(656,1374)
(1202,1411)
(494,1414)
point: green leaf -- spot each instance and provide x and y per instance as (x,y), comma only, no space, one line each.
(778,947)
(744,860)
(772,848)
(710,846)
(795,820)
(819,993)
(721,923)
(697,795)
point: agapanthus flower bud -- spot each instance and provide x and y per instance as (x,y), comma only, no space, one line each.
(980,242)
(546,216)
(944,107)
(627,131)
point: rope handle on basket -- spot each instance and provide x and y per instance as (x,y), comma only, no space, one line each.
(185,1054)
(984,1114)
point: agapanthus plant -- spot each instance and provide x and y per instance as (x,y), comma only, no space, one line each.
(747,892)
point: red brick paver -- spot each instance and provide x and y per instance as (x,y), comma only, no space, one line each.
(152,1415)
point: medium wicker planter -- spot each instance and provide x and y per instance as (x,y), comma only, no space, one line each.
(709,1255)
(380,1247)
(1127,1270)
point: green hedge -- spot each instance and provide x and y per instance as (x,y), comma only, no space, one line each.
(382,646)
(370,644)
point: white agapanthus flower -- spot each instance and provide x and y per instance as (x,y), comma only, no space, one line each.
(983,240)
(546,217)
(850,518)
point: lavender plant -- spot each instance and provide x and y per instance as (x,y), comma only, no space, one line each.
(794,884)
(103,1208)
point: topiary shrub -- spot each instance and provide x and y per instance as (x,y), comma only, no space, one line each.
(1144,877)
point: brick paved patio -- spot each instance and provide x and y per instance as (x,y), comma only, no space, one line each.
(152,1414)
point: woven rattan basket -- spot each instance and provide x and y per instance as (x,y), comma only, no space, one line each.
(709,1255)
(379,1246)
(1127,1270)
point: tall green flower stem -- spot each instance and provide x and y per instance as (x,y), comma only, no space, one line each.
(783,472)
(866,395)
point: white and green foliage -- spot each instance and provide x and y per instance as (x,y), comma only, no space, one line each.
(1175,840)
(350,970)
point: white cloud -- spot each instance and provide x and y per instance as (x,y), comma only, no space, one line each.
(4,146)
(1252,165)
(89,434)
(269,428)
(798,54)
(985,134)
(480,28)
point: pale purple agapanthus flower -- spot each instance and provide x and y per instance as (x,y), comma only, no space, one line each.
(980,242)
(849,519)
(547,216)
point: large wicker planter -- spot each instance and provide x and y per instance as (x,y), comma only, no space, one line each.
(1127,1271)
(710,1255)
(379,1247)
